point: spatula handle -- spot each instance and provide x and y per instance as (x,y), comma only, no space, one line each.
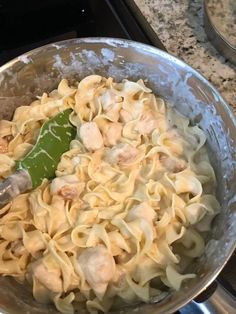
(17,183)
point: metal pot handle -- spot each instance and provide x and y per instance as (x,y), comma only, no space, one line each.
(216,300)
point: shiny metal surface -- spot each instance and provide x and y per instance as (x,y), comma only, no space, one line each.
(22,79)
(220,302)
(17,183)
(217,37)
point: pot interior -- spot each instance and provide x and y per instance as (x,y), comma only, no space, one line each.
(27,76)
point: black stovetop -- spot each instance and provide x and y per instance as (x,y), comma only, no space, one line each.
(28,24)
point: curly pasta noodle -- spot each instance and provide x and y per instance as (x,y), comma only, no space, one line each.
(129,205)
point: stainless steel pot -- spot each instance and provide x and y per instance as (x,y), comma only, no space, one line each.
(27,76)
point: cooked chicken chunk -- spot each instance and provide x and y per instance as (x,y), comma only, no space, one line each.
(172,164)
(49,279)
(69,187)
(123,154)
(91,136)
(98,267)
(111,104)
(109,99)
(147,123)
(112,133)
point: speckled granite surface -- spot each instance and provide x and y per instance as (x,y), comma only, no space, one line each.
(179,25)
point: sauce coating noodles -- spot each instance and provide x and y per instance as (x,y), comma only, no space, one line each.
(128,208)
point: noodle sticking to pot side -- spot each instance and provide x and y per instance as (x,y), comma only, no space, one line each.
(128,209)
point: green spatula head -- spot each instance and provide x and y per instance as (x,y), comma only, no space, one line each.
(41,162)
(53,140)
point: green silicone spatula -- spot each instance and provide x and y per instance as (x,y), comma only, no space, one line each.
(41,162)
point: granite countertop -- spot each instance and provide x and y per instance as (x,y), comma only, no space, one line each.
(223,16)
(179,25)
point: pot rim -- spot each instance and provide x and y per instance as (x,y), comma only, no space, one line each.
(209,278)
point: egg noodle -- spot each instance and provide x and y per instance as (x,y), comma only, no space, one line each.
(128,209)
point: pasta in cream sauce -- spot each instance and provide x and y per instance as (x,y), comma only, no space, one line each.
(128,209)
